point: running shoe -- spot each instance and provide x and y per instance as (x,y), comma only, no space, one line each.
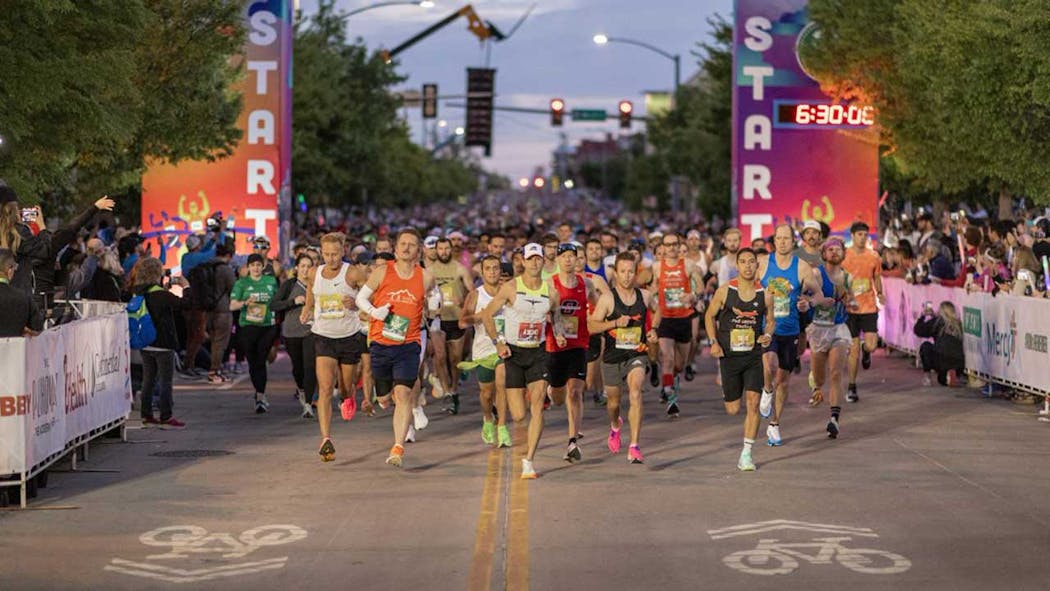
(240,367)
(410,437)
(614,439)
(572,453)
(773,436)
(765,404)
(865,358)
(816,397)
(690,373)
(327,451)
(217,378)
(453,407)
(634,455)
(672,406)
(833,428)
(419,418)
(812,380)
(654,375)
(488,432)
(851,395)
(745,463)
(396,456)
(527,471)
(171,423)
(663,397)
(262,405)
(348,408)
(436,389)
(503,436)
(308,411)
(599,399)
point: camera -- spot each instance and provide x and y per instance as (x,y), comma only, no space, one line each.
(29,214)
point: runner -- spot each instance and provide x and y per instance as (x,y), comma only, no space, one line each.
(829,337)
(785,276)
(622,315)
(735,320)
(674,280)
(399,289)
(550,255)
(298,338)
(698,258)
(528,300)
(253,295)
(485,361)
(864,267)
(338,341)
(455,281)
(810,252)
(594,268)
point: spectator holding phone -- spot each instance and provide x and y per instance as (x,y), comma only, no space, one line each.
(945,353)
(30,248)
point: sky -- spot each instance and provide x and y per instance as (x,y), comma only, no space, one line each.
(551,55)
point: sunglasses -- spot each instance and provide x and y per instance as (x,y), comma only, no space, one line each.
(562,248)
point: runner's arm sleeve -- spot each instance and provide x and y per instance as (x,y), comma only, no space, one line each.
(366,306)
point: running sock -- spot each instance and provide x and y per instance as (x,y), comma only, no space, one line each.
(835,410)
(668,380)
(748,443)
(852,387)
(774,423)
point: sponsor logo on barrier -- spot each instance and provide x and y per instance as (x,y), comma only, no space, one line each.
(1035,342)
(77,392)
(105,364)
(972,321)
(1002,343)
(14,405)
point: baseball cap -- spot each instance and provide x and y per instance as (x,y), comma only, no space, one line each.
(693,234)
(261,241)
(256,258)
(430,242)
(811,225)
(193,241)
(533,250)
(568,246)
(655,235)
(363,258)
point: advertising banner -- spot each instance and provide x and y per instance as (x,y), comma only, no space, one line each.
(14,405)
(97,373)
(797,155)
(46,386)
(1005,337)
(904,302)
(248,186)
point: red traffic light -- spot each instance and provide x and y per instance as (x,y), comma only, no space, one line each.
(557,112)
(626,107)
(557,105)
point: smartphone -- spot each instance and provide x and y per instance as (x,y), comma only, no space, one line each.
(29,214)
(229,224)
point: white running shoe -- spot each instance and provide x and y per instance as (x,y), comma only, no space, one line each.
(419,418)
(435,386)
(773,436)
(765,404)
(410,437)
(527,471)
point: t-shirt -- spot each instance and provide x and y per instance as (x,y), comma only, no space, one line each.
(258,313)
(862,269)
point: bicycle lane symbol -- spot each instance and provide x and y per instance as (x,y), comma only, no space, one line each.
(774,557)
(189,541)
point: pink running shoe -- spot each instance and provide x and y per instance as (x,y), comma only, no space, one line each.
(634,455)
(614,439)
(348,408)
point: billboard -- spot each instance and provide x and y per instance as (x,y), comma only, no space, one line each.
(252,186)
(797,155)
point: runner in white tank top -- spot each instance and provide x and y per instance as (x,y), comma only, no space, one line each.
(485,360)
(331,318)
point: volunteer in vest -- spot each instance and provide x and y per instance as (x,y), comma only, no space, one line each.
(785,277)
(338,341)
(622,317)
(298,340)
(865,269)
(829,337)
(594,269)
(253,296)
(568,362)
(454,280)
(528,301)
(674,278)
(485,361)
(394,296)
(741,322)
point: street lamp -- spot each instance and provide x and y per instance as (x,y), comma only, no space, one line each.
(460,131)
(419,3)
(603,39)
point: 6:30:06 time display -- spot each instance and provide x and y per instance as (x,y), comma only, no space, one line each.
(826,114)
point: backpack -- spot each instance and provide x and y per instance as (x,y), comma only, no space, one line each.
(204,288)
(141,331)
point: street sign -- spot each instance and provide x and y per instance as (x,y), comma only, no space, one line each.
(588,115)
(481,84)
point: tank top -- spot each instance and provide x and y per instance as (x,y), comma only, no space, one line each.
(785,287)
(674,286)
(483,346)
(833,314)
(600,271)
(406,299)
(446,277)
(573,308)
(726,271)
(331,318)
(740,323)
(623,344)
(526,320)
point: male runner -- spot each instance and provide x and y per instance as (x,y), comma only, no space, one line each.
(809,251)
(550,255)
(454,280)
(864,267)
(622,314)
(735,319)
(594,269)
(698,258)
(528,300)
(786,277)
(829,337)
(724,269)
(399,289)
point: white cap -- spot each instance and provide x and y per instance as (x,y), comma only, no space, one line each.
(430,242)
(533,250)
(693,234)
(811,225)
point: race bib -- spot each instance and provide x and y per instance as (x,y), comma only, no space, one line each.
(571,325)
(448,295)
(741,340)
(255,312)
(824,316)
(530,334)
(674,297)
(781,306)
(629,338)
(861,286)
(331,306)
(395,328)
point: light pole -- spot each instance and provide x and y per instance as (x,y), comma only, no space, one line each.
(602,39)
(420,3)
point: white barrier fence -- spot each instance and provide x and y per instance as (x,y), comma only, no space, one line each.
(60,389)
(1005,337)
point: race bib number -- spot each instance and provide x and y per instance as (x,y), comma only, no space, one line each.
(395,328)
(675,297)
(571,325)
(255,312)
(823,315)
(629,338)
(861,286)
(448,295)
(781,306)
(331,306)
(741,340)
(530,334)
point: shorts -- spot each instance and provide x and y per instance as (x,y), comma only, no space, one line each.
(740,374)
(824,338)
(565,365)
(525,366)
(615,374)
(394,365)
(594,348)
(486,375)
(786,348)
(679,329)
(346,350)
(452,330)
(866,323)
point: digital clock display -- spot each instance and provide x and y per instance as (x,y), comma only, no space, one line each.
(823,115)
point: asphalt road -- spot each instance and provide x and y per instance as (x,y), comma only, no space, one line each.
(930,488)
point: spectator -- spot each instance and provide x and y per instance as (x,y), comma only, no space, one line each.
(992,271)
(945,353)
(106,280)
(1041,234)
(1026,272)
(20,315)
(925,228)
(220,320)
(158,358)
(47,273)
(198,251)
(30,249)
(938,268)
(130,249)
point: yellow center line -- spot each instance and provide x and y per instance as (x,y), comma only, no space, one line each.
(485,537)
(518,529)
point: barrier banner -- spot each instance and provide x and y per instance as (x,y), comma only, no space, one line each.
(1005,337)
(903,306)
(46,387)
(97,373)
(14,404)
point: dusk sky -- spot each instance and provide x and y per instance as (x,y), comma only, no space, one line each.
(551,55)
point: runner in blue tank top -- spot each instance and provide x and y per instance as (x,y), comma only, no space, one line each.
(785,277)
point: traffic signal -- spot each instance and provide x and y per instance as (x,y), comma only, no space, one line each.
(626,108)
(481,84)
(557,111)
(430,101)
